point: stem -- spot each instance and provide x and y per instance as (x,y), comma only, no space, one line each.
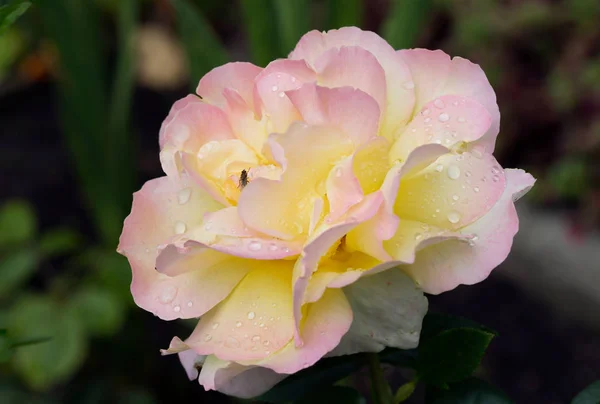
(382,393)
(405,391)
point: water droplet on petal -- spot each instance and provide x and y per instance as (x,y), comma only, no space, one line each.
(453,217)
(256,338)
(495,178)
(455,197)
(476,189)
(184,195)
(215,326)
(179,227)
(190,303)
(168,295)
(232,342)
(418,236)
(427,120)
(443,117)
(281,94)
(274,88)
(251,315)
(254,246)
(338,172)
(238,324)
(453,172)
(439,168)
(495,170)
(468,174)
(414,130)
(273,247)
(478,152)
(207,337)
(425,111)
(177,309)
(439,103)
(266,343)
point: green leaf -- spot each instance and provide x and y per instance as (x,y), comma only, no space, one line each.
(589,395)
(435,323)
(18,223)
(452,355)
(405,22)
(100,311)
(57,242)
(112,271)
(333,394)
(10,12)
(344,13)
(258,18)
(324,373)
(293,21)
(203,48)
(5,346)
(15,269)
(43,365)
(470,391)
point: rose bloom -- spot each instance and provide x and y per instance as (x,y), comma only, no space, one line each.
(308,205)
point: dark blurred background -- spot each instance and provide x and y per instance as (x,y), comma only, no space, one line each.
(85,85)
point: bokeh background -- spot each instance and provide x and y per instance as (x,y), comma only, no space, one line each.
(85,85)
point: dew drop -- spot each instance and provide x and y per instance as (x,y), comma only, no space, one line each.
(184,195)
(273,247)
(254,246)
(425,111)
(414,130)
(281,94)
(215,326)
(207,337)
(427,120)
(238,324)
(256,338)
(168,295)
(443,117)
(455,197)
(338,172)
(453,172)
(468,174)
(418,236)
(232,342)
(495,170)
(476,189)
(190,303)
(439,103)
(453,217)
(251,315)
(477,152)
(495,178)
(439,168)
(293,79)
(274,88)
(266,343)
(179,227)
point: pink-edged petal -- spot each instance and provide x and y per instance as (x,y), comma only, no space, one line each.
(225,232)
(191,362)
(237,76)
(283,208)
(353,111)
(354,67)
(399,85)
(161,209)
(452,192)
(255,320)
(435,74)
(388,311)
(368,236)
(325,322)
(324,238)
(237,380)
(177,106)
(443,266)
(447,120)
(190,125)
(343,189)
(270,90)
(243,121)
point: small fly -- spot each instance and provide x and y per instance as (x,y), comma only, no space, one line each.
(243,179)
